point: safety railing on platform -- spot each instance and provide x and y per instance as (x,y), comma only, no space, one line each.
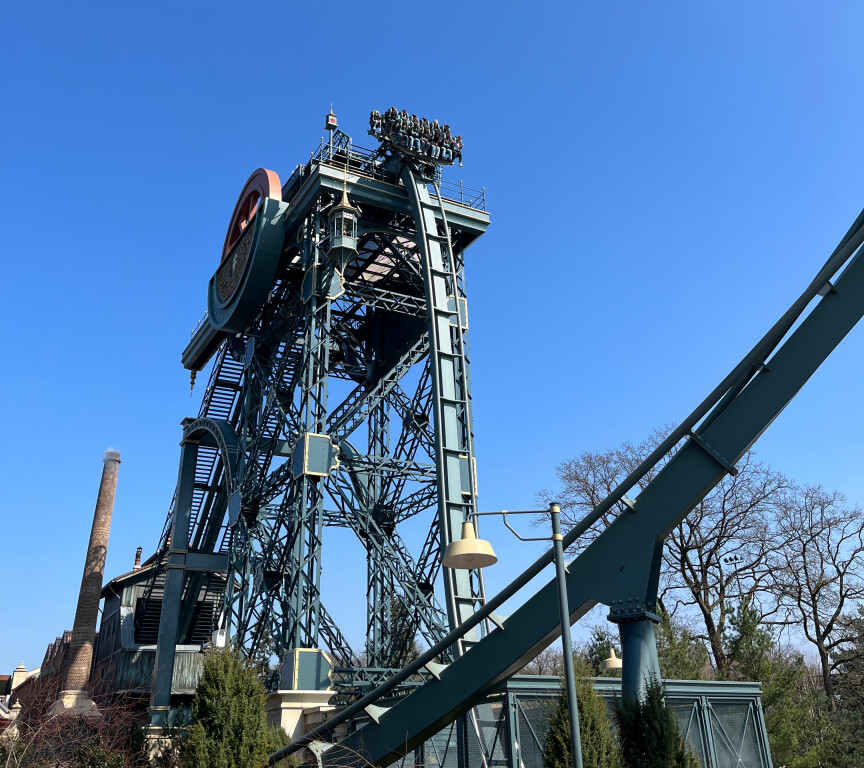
(459,193)
(367,162)
(199,324)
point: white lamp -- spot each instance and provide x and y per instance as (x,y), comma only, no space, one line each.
(613,662)
(469,552)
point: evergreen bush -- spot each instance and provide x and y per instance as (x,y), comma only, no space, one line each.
(648,732)
(682,656)
(277,738)
(599,749)
(228,723)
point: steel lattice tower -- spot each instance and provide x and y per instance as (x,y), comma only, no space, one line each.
(339,396)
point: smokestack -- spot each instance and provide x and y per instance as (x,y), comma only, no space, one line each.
(137,559)
(73,698)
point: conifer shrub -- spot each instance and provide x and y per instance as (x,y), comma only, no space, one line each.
(277,738)
(228,728)
(599,748)
(648,732)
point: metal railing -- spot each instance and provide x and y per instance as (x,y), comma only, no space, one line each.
(459,193)
(199,324)
(367,163)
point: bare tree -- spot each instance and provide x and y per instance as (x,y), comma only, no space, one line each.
(819,572)
(590,477)
(733,523)
(39,738)
(549,662)
(735,519)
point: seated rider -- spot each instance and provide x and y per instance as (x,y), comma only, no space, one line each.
(429,138)
(417,133)
(437,136)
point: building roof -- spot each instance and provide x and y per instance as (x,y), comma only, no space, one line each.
(115,584)
(118,582)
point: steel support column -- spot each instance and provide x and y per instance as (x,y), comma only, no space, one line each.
(163,665)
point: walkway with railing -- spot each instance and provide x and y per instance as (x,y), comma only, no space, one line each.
(360,161)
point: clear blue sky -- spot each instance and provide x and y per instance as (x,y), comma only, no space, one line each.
(663,179)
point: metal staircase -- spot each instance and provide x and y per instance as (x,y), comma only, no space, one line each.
(205,528)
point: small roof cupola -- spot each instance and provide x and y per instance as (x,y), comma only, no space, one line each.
(343,219)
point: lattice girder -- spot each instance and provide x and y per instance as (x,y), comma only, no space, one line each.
(337,364)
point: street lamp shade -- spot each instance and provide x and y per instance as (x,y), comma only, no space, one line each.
(613,662)
(469,552)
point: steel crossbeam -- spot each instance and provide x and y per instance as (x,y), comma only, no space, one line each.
(390,556)
(381,466)
(392,301)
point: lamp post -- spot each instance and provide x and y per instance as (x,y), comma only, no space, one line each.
(472,552)
(735,562)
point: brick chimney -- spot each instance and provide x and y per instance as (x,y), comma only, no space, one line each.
(137,565)
(73,698)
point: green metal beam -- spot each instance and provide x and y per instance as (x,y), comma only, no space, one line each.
(616,568)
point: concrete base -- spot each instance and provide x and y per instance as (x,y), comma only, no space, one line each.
(74,704)
(297,711)
(162,745)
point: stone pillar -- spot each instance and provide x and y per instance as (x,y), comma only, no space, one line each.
(73,698)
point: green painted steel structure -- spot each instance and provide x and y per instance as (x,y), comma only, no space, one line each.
(620,568)
(365,307)
(722,721)
(339,396)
